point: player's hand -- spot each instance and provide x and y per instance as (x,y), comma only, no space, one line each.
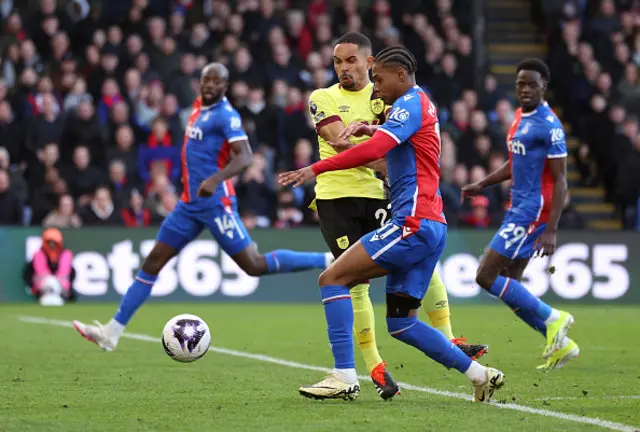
(296,177)
(208,187)
(355,129)
(341,145)
(471,190)
(546,243)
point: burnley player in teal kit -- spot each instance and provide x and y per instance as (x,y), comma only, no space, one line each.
(537,169)
(215,149)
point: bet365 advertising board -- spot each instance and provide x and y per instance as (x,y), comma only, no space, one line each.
(589,267)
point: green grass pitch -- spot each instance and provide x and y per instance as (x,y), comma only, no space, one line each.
(52,380)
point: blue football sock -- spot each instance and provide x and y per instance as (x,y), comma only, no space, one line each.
(430,341)
(288,261)
(339,314)
(516,296)
(533,320)
(137,293)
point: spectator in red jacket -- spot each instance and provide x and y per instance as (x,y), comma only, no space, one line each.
(159,147)
(136,215)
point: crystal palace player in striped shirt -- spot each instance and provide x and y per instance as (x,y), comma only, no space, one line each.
(215,149)
(537,169)
(407,248)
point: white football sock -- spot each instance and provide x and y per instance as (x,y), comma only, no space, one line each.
(114,329)
(476,372)
(555,314)
(347,375)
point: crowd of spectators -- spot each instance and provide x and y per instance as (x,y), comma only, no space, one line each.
(594,58)
(94,98)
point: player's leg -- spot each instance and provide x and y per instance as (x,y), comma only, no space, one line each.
(367,215)
(516,241)
(362,217)
(176,231)
(569,349)
(352,268)
(436,305)
(514,270)
(405,289)
(232,236)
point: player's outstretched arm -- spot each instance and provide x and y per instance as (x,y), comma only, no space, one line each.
(498,176)
(546,244)
(376,148)
(336,135)
(241,158)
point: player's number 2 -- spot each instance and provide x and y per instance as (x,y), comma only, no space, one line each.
(382,215)
(512,234)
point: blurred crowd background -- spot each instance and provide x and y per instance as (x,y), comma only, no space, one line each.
(94,97)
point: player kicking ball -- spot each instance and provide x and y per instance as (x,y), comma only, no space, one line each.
(215,149)
(353,202)
(537,168)
(407,248)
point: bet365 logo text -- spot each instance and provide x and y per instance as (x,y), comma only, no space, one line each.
(579,271)
(201,268)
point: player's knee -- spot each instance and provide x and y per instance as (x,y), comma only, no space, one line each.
(402,306)
(401,314)
(326,278)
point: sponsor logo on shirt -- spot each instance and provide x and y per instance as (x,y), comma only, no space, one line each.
(194,133)
(516,147)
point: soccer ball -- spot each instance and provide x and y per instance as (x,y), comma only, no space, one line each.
(186,338)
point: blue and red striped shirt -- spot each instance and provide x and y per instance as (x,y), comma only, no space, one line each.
(207,148)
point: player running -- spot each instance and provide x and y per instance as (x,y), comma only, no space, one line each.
(537,169)
(353,202)
(407,248)
(215,149)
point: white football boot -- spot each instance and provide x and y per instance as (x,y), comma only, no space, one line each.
(97,334)
(482,391)
(331,388)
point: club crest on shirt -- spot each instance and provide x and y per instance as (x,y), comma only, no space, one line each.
(377,106)
(343,242)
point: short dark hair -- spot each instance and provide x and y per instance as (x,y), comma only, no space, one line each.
(399,56)
(536,65)
(358,39)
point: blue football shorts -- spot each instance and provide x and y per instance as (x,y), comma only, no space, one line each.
(187,221)
(409,252)
(517,236)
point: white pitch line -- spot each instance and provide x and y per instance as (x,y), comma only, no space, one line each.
(605,424)
(559,398)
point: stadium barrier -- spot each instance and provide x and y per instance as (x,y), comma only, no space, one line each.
(590,267)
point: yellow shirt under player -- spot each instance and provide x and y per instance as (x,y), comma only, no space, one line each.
(333,104)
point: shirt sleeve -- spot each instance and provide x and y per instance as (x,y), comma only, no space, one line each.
(404,119)
(232,127)
(322,109)
(555,141)
(374,148)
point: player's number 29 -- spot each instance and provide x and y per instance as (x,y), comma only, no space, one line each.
(512,234)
